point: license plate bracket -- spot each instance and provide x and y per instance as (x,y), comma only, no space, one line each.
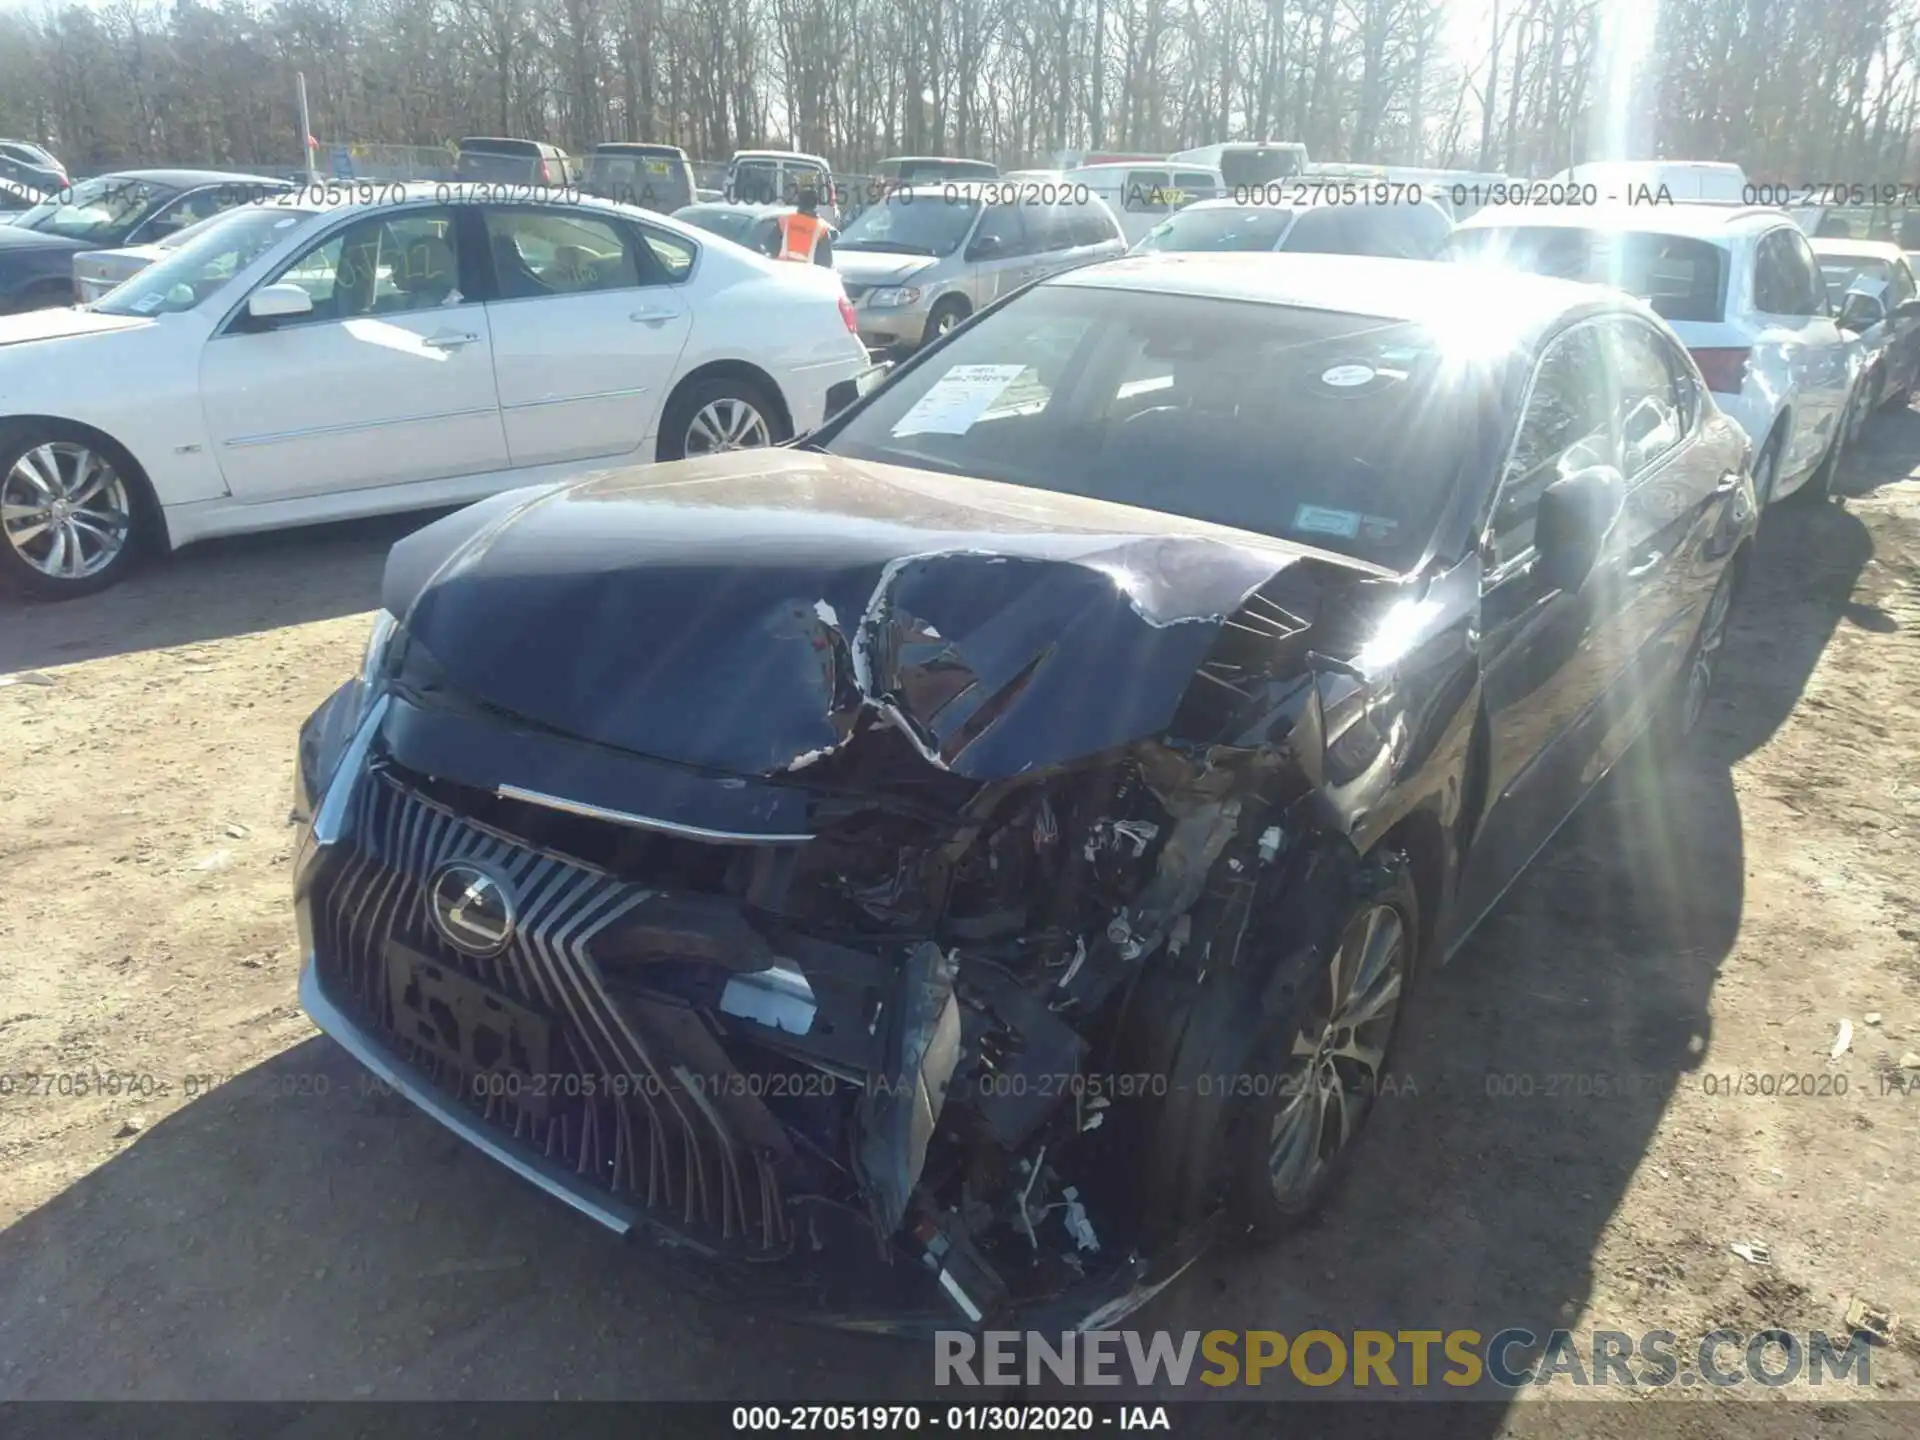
(496,1044)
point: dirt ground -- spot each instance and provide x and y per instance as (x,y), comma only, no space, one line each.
(284,1234)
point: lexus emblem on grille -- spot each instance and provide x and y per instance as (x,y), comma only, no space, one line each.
(472,907)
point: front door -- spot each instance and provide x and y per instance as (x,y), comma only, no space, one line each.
(387,381)
(588,323)
(1547,655)
(1000,254)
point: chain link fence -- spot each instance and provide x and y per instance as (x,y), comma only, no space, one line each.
(385,162)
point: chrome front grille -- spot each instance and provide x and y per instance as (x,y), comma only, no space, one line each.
(855,293)
(631,1114)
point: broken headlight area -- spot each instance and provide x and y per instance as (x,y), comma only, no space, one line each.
(326,733)
(907,1035)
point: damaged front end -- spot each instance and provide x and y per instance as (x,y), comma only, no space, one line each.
(868,1012)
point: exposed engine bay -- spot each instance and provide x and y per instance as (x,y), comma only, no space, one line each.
(919,1015)
(869,909)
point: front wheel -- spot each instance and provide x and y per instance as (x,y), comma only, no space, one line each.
(711,417)
(1820,485)
(70,513)
(1329,1058)
(1866,400)
(1766,468)
(946,316)
(1702,668)
(1275,1054)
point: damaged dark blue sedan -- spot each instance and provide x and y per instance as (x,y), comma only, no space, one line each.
(966,862)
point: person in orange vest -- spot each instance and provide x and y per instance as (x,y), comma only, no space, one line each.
(803,234)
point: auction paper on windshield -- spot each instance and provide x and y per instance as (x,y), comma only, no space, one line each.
(956,400)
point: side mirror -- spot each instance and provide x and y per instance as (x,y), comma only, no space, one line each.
(273,302)
(985,247)
(1907,309)
(1576,512)
(1859,312)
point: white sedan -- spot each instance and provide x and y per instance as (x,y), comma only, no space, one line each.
(313,358)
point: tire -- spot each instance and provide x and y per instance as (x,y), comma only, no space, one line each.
(1679,719)
(1862,408)
(1766,468)
(75,513)
(710,417)
(948,313)
(1819,487)
(1207,1158)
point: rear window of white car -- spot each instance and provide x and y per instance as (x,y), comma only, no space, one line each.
(1681,277)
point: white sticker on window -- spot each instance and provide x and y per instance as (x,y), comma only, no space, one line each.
(957,399)
(1346,375)
(1318,520)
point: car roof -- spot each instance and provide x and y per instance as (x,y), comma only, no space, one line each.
(1140,165)
(637,147)
(1702,219)
(474,142)
(1649,167)
(187,179)
(1308,202)
(371,195)
(1404,290)
(781,155)
(1856,249)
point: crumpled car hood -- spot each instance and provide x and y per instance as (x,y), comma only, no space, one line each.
(742,612)
(879,267)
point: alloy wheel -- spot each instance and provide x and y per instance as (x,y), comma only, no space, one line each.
(727,424)
(946,321)
(65,510)
(1706,655)
(1338,1056)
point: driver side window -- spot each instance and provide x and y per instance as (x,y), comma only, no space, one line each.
(1564,428)
(1006,222)
(381,265)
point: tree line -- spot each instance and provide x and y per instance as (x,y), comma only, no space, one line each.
(1796,90)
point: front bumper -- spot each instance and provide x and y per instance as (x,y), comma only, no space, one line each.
(892,328)
(358,870)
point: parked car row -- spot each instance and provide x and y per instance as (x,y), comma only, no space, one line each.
(1743,289)
(304,361)
(127,208)
(25,164)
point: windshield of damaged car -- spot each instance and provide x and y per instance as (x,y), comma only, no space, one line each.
(229,243)
(1341,431)
(104,209)
(912,223)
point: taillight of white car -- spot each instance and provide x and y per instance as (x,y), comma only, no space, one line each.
(1724,368)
